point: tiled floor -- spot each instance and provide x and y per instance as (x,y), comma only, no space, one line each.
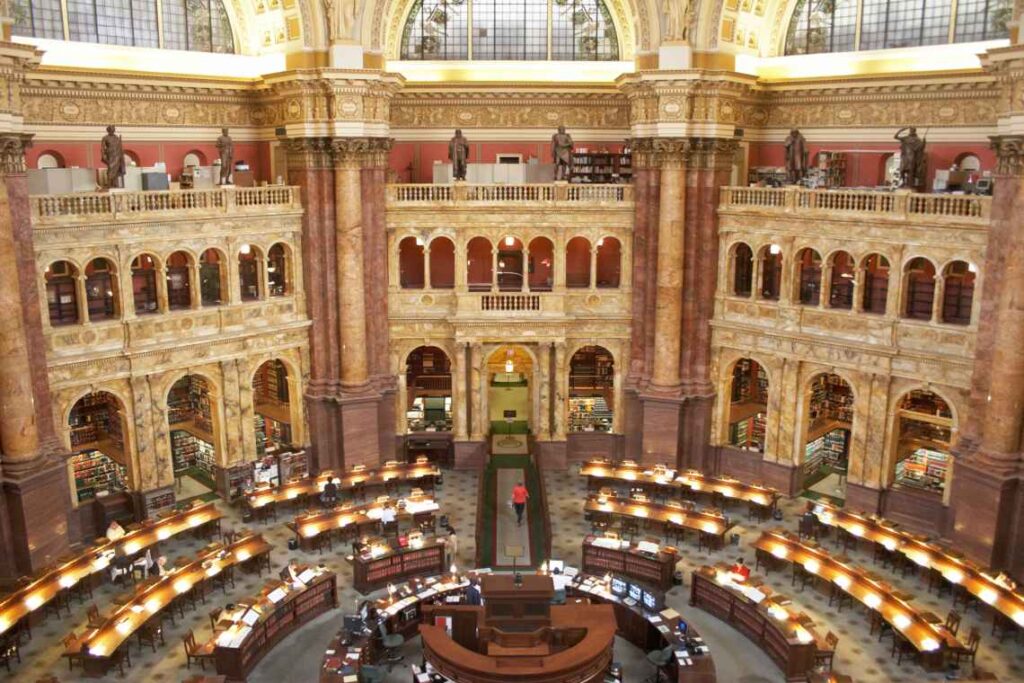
(298,658)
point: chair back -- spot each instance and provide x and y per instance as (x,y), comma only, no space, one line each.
(93,613)
(190,641)
(974,639)
(69,640)
(831,640)
(953,621)
(667,652)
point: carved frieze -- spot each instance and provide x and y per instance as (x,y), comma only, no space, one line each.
(530,109)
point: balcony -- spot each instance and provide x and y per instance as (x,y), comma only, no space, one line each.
(113,207)
(896,206)
(558,305)
(551,194)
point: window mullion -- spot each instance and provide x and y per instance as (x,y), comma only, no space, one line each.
(64,18)
(856,25)
(551,16)
(159,23)
(469,27)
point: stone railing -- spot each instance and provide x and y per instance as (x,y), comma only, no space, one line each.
(510,302)
(907,205)
(116,205)
(465,193)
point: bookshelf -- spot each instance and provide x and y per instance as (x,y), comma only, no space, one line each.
(831,399)
(749,432)
(832,168)
(92,472)
(772,176)
(293,465)
(183,450)
(399,565)
(158,501)
(602,166)
(589,414)
(923,469)
(654,570)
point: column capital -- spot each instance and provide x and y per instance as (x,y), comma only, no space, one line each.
(361,152)
(684,152)
(307,152)
(1009,151)
(12,152)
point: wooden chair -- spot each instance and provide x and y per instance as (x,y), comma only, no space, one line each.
(756,512)
(953,621)
(823,658)
(878,623)
(630,527)
(1003,626)
(901,647)
(149,633)
(95,619)
(73,650)
(802,576)
(194,651)
(122,656)
(971,651)
(840,597)
(962,596)
(214,618)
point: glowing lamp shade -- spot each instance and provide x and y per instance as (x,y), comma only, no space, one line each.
(124,627)
(872,600)
(131,548)
(309,531)
(857,530)
(843,581)
(812,565)
(510,241)
(780,551)
(182,586)
(676,519)
(921,559)
(774,250)
(760,500)
(293,494)
(195,521)
(901,621)
(778,612)
(728,492)
(245,249)
(987,595)
(803,635)
(953,575)
(163,534)
(67,581)
(640,512)
(890,544)
(710,527)
(34,601)
(242,555)
(97,650)
(213,570)
(929,644)
(1017,617)
(453,569)
(153,605)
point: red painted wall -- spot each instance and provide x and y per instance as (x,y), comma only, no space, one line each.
(866,161)
(87,154)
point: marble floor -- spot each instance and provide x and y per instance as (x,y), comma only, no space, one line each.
(297,659)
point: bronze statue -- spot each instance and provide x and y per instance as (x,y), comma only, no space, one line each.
(226,147)
(796,156)
(112,154)
(561,153)
(912,158)
(458,153)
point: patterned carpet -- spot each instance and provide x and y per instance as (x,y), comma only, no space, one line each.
(298,658)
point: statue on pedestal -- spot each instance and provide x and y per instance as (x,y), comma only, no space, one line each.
(458,153)
(561,153)
(112,154)
(796,156)
(678,16)
(226,147)
(912,158)
(341,17)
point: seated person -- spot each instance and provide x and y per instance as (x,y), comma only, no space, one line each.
(1003,579)
(330,495)
(115,531)
(560,580)
(291,571)
(158,568)
(387,517)
(740,571)
(473,595)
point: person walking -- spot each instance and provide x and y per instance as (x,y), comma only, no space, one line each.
(519,497)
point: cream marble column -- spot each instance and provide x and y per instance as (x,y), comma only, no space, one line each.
(593,266)
(559,388)
(669,296)
(461,269)
(19,434)
(195,288)
(558,259)
(524,286)
(402,398)
(475,372)
(426,267)
(860,277)
(229,448)
(247,410)
(617,398)
(459,391)
(494,269)
(485,394)
(938,297)
(349,226)
(825,290)
(162,304)
(544,360)
(81,299)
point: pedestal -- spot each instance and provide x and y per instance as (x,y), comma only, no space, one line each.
(675,55)
(661,425)
(346,55)
(360,431)
(37,502)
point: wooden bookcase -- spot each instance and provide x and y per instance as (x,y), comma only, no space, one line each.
(655,571)
(397,566)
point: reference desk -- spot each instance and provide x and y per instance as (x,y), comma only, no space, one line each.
(602,555)
(924,631)
(255,626)
(52,584)
(690,481)
(953,568)
(710,524)
(392,473)
(153,596)
(650,631)
(789,639)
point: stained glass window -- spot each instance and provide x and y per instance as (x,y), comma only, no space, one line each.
(831,25)
(510,30)
(199,25)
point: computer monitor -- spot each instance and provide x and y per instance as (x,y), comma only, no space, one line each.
(353,623)
(635,592)
(618,586)
(650,601)
(556,564)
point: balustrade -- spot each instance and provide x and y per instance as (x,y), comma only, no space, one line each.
(549,193)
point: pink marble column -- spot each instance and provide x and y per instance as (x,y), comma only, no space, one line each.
(641,266)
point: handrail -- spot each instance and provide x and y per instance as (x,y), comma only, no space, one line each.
(542,495)
(130,205)
(962,207)
(544,193)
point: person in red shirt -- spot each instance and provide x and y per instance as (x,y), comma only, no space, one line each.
(740,570)
(519,497)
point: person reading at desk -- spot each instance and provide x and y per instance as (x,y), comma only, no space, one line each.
(330,495)
(115,532)
(387,519)
(740,571)
(158,568)
(291,571)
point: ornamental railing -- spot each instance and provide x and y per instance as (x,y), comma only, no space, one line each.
(959,207)
(540,193)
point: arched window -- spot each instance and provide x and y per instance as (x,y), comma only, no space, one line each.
(510,264)
(924,439)
(62,293)
(828,424)
(100,290)
(277,270)
(808,262)
(748,405)
(609,262)
(831,25)
(249,258)
(591,390)
(742,270)
(771,272)
(958,293)
(179,281)
(841,275)
(192,418)
(569,30)
(198,25)
(479,265)
(876,284)
(193,159)
(49,160)
(410,263)
(577,262)
(442,263)
(542,264)
(144,285)
(273,406)
(98,429)
(428,386)
(920,279)
(210,274)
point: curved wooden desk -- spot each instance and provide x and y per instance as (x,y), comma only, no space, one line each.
(585,662)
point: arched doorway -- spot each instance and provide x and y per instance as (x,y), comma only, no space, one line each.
(98,440)
(827,438)
(191,417)
(510,265)
(101,290)
(271,397)
(62,293)
(479,265)
(428,382)
(591,390)
(924,440)
(509,403)
(748,405)
(542,264)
